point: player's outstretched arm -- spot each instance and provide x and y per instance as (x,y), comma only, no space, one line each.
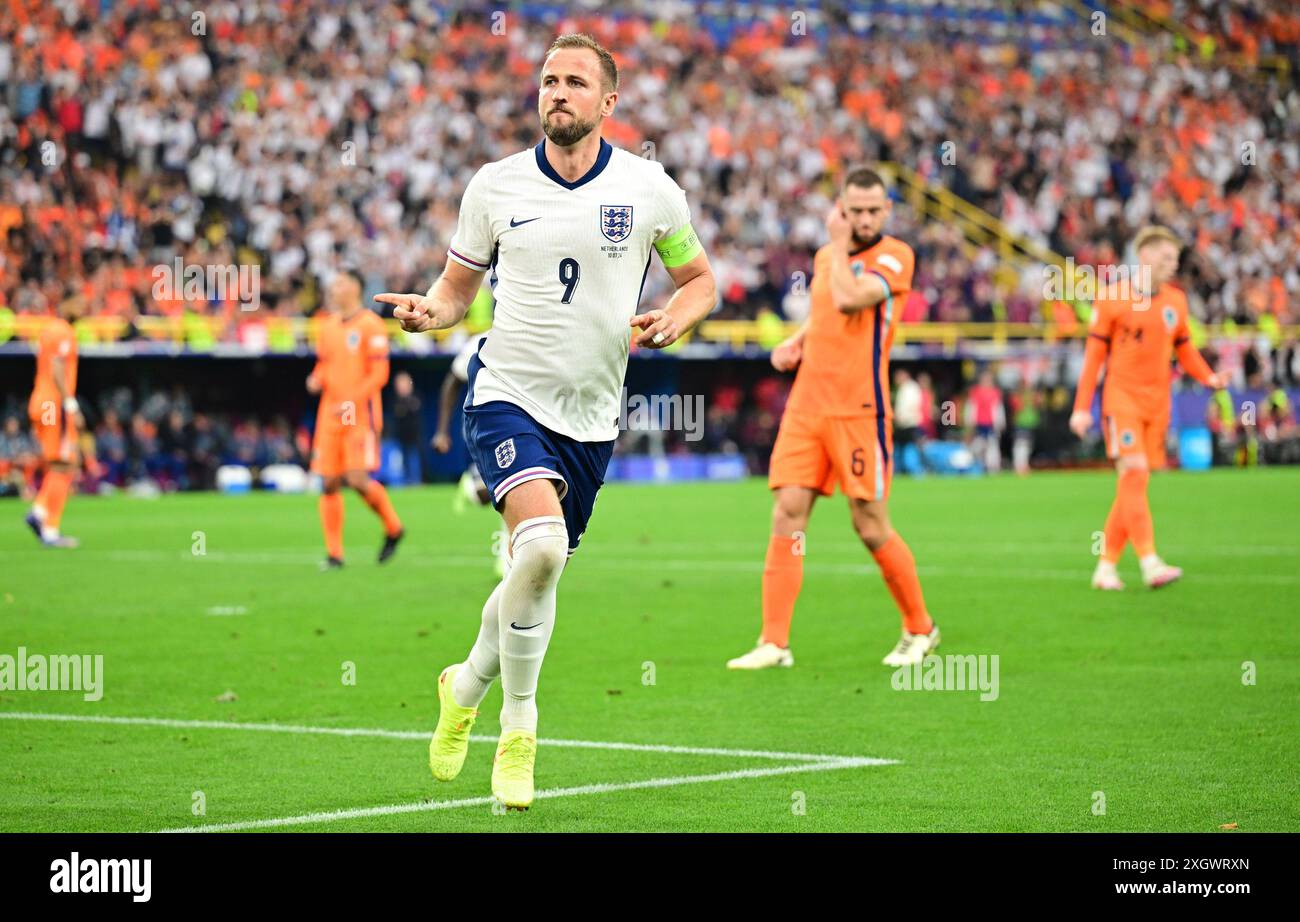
(694,299)
(443,306)
(1190,358)
(315,380)
(59,372)
(1094,355)
(447,395)
(376,377)
(59,375)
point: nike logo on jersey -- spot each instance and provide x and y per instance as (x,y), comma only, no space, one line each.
(518,627)
(514,223)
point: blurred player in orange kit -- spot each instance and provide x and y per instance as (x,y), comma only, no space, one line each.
(351,370)
(1136,335)
(837,423)
(56,418)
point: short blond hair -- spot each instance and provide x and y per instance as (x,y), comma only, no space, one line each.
(608,69)
(1153,232)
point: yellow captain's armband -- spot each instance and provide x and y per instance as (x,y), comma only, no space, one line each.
(679,248)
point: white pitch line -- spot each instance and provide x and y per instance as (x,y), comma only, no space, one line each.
(413,735)
(684,750)
(806,762)
(581,791)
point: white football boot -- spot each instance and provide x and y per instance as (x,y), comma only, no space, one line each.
(1106,577)
(763,656)
(913,648)
(1157,573)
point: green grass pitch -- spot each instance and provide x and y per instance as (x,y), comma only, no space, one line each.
(1136,695)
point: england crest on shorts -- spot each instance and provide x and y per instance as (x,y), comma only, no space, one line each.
(506,454)
(616,222)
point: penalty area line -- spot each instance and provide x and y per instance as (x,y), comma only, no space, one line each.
(585,790)
(177,724)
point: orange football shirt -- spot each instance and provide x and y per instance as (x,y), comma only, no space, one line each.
(845,365)
(1143,336)
(56,339)
(352,366)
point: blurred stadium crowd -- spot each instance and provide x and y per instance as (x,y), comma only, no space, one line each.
(1248,27)
(305,135)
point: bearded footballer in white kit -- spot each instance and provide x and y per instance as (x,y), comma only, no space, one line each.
(567,228)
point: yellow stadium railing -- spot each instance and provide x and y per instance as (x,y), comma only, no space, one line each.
(192,328)
(1133,24)
(742,333)
(205,334)
(1206,46)
(980,229)
(1126,28)
(976,224)
(983,230)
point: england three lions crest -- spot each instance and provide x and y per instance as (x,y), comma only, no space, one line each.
(616,222)
(506,454)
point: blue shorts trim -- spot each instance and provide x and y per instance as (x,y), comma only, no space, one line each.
(511,448)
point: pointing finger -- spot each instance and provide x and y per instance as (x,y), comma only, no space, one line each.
(658,334)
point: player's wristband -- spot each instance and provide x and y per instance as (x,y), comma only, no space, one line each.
(70,405)
(679,248)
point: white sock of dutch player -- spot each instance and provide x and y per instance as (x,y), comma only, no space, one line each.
(483,664)
(538,548)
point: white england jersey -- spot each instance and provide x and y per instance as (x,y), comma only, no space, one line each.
(570,260)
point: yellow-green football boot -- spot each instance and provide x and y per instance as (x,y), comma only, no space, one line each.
(451,736)
(512,769)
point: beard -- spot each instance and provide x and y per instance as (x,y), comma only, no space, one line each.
(568,134)
(860,242)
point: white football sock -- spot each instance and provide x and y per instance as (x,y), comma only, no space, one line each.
(519,713)
(538,550)
(483,665)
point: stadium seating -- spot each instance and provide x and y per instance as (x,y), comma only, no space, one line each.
(104,183)
(1005,151)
